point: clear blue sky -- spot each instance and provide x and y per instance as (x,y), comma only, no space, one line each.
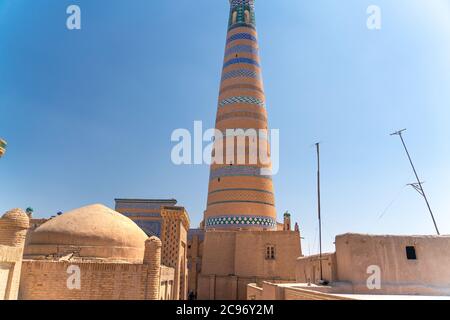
(88,114)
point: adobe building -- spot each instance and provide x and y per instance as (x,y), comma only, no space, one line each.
(405,266)
(13,229)
(161,218)
(114,257)
(232,260)
(222,262)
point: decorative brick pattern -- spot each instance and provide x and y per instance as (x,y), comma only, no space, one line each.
(123,204)
(241,196)
(174,239)
(240,60)
(240,201)
(243,100)
(241,221)
(236,3)
(241,114)
(151,228)
(241,36)
(47,280)
(241,73)
(241,189)
(241,49)
(242,86)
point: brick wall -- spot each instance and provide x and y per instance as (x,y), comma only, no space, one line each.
(99,281)
(232,260)
(242,254)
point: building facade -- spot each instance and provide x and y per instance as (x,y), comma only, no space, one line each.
(161,218)
(368,267)
(233,259)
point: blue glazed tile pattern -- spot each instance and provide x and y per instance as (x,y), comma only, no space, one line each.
(241,49)
(241,36)
(241,99)
(244,220)
(240,60)
(241,73)
(151,228)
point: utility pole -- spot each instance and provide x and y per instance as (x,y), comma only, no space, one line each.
(418,186)
(319,210)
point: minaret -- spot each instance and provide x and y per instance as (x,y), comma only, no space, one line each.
(240,194)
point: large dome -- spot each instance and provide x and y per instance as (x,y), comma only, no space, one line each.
(91,232)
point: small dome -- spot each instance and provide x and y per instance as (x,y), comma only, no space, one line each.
(17,217)
(91,232)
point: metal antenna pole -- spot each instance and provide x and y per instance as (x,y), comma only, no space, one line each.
(319,210)
(417,186)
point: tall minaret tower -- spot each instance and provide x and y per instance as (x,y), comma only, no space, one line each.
(240,194)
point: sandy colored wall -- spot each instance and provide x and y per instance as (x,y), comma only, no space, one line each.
(232,260)
(10,268)
(429,274)
(254,292)
(99,281)
(166,283)
(302,294)
(307,269)
(218,253)
(250,260)
(279,291)
(217,287)
(182,263)
(243,254)
(229,287)
(194,256)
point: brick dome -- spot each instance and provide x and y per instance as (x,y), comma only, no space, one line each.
(92,232)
